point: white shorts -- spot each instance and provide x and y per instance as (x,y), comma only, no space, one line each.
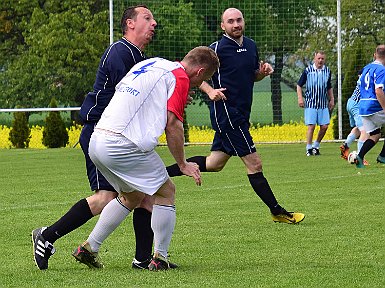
(126,167)
(374,121)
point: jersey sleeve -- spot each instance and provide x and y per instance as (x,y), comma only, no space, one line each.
(329,83)
(302,79)
(177,102)
(379,81)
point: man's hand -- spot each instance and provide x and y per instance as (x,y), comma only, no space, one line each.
(217,94)
(265,68)
(192,169)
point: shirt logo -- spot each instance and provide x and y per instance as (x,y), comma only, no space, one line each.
(142,69)
(241,50)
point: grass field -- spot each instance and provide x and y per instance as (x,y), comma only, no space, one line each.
(224,235)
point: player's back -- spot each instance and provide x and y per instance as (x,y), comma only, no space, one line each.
(372,77)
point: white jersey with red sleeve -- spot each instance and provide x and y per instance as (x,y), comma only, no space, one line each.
(138,109)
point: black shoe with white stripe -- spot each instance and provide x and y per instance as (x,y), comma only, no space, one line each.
(42,249)
(144,264)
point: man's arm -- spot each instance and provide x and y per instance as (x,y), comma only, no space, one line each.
(381,96)
(331,99)
(300,96)
(214,94)
(175,142)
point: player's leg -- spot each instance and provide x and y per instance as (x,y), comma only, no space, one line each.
(323,119)
(373,128)
(262,188)
(310,122)
(212,163)
(352,108)
(163,224)
(82,211)
(144,235)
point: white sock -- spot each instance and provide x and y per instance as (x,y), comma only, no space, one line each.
(163,223)
(110,218)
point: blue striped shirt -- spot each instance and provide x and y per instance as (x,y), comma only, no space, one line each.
(318,82)
(356,93)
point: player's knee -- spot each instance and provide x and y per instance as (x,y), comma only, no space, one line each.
(147,203)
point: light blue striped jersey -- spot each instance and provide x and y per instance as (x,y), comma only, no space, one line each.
(318,82)
(372,77)
(356,93)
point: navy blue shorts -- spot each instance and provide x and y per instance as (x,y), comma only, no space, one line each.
(236,142)
(96,179)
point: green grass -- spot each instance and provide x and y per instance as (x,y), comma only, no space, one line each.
(224,235)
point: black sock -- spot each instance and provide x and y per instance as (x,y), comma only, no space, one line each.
(382,153)
(79,214)
(263,190)
(368,144)
(144,236)
(173,170)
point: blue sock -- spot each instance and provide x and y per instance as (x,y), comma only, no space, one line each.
(359,145)
(350,139)
(316,144)
(308,146)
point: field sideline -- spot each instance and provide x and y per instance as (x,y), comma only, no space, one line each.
(224,235)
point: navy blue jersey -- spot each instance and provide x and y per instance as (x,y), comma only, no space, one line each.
(116,61)
(318,82)
(238,66)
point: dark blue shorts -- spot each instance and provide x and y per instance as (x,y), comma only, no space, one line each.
(96,179)
(236,142)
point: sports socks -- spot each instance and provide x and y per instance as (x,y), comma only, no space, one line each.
(368,144)
(163,224)
(173,170)
(78,214)
(112,215)
(359,145)
(143,234)
(316,144)
(350,139)
(263,190)
(382,153)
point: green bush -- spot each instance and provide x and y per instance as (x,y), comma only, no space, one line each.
(19,135)
(55,134)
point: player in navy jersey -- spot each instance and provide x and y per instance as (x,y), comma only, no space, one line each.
(231,96)
(138,27)
(358,131)
(372,104)
(318,102)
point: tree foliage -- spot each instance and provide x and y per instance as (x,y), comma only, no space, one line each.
(61,43)
(55,134)
(20,133)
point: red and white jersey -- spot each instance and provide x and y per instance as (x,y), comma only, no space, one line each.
(138,109)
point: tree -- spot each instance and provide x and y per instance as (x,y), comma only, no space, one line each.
(63,40)
(55,134)
(20,133)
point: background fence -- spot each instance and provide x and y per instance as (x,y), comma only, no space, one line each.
(287,33)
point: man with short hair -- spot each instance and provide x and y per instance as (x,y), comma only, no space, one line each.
(138,28)
(372,105)
(148,101)
(318,101)
(230,110)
